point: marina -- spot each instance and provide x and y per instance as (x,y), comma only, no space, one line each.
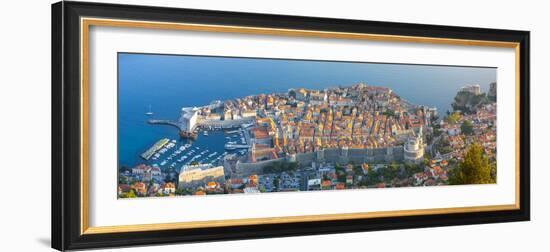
(210,147)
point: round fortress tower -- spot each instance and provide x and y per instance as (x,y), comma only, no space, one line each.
(414,148)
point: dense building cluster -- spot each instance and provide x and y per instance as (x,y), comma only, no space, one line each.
(478,127)
(304,120)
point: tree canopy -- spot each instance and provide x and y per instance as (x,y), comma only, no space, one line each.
(281,166)
(453,118)
(129,194)
(467,127)
(474,169)
(389,113)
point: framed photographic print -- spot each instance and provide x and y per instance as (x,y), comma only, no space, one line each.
(180,125)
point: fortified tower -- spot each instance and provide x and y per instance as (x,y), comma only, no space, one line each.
(414,148)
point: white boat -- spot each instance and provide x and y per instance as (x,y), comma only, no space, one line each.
(246,125)
(149,113)
(232,131)
(205,133)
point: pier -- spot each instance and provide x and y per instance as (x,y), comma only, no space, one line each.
(189,122)
(236,146)
(167,122)
(182,127)
(203,123)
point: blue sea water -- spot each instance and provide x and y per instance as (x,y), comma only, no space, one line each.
(169,82)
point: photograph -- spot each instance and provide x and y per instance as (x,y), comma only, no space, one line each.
(193,125)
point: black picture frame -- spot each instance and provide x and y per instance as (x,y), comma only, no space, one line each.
(66,156)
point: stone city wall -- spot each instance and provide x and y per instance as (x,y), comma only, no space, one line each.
(333,155)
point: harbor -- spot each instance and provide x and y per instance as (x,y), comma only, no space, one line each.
(201,141)
(209,147)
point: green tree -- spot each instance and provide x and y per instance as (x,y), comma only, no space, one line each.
(467,127)
(122,180)
(129,194)
(374,177)
(290,166)
(357,169)
(429,138)
(389,113)
(426,161)
(341,176)
(453,118)
(493,172)
(474,169)
(446,149)
(132,194)
(411,169)
(292,93)
(181,191)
